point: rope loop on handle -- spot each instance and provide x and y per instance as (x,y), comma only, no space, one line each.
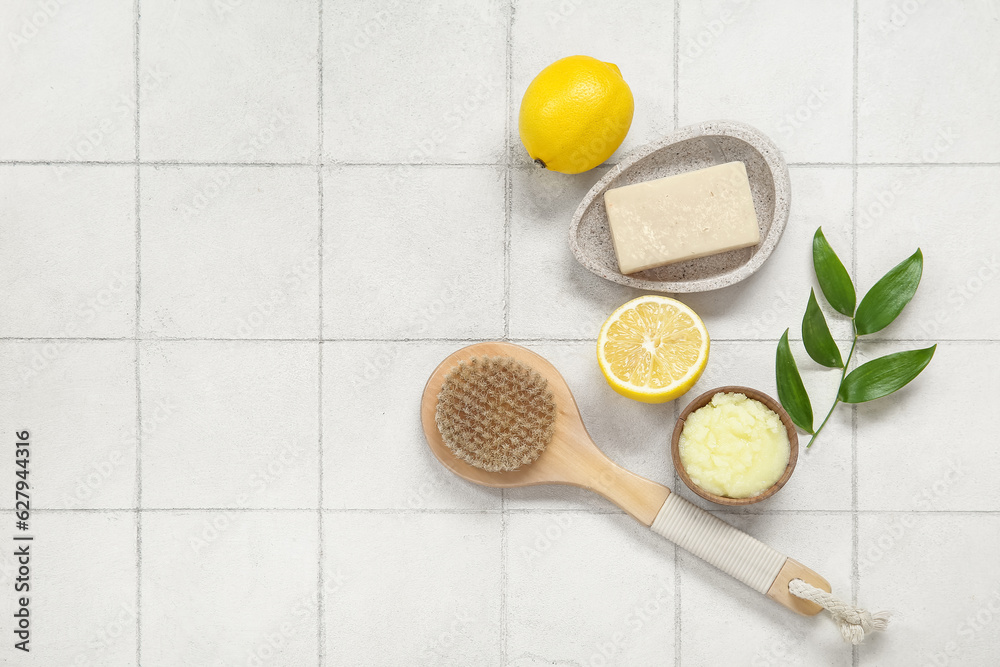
(854,622)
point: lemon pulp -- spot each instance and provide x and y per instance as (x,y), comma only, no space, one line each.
(653,349)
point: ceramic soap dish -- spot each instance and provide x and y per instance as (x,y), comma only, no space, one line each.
(687,149)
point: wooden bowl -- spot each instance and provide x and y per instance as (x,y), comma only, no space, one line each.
(774,406)
(687,149)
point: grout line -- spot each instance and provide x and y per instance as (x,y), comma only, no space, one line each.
(514,339)
(138,508)
(507,510)
(319,258)
(344,163)
(164,510)
(678,621)
(513,164)
(138,375)
(183,339)
(508,182)
(508,196)
(319,83)
(150,163)
(504,555)
(677,64)
(855,566)
(185,163)
(171,339)
(509,142)
(508,204)
(906,165)
(81,339)
(855,569)
(320,574)
(72,163)
(854,93)
(910,165)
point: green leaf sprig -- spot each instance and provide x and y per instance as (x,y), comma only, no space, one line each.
(880,306)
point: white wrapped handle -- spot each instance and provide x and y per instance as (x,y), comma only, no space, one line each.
(760,567)
(717,543)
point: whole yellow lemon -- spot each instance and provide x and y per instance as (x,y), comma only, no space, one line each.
(575,114)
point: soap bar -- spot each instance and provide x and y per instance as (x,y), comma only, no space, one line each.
(682,217)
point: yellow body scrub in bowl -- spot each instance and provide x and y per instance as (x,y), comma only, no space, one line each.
(734,446)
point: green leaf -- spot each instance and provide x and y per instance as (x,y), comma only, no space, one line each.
(832,276)
(887,298)
(817,338)
(791,391)
(880,377)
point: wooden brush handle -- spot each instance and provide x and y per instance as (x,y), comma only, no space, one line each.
(734,552)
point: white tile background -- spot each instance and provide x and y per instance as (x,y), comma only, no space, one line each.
(238,235)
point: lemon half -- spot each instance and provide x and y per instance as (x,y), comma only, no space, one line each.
(653,349)
(575,114)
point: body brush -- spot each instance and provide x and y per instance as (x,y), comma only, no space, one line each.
(500,415)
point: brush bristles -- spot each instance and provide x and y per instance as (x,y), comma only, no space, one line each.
(495,413)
